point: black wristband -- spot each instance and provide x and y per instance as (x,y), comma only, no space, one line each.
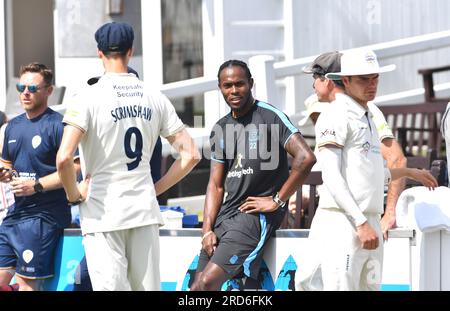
(38,188)
(77,201)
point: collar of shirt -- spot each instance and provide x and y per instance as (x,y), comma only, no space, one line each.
(115,74)
(353,106)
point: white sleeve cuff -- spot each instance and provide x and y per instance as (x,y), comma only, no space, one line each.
(359,220)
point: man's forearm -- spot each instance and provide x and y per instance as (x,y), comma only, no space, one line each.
(189,157)
(51,182)
(296,178)
(395,189)
(393,154)
(177,171)
(302,163)
(65,161)
(67,175)
(213,201)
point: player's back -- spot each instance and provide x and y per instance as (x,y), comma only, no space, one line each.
(123,128)
(122,120)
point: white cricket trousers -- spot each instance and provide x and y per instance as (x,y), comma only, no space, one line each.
(338,262)
(124,260)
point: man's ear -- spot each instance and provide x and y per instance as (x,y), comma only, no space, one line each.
(100,53)
(330,84)
(345,80)
(251,81)
(50,90)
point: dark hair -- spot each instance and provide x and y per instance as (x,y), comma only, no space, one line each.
(234,62)
(339,84)
(45,72)
(115,54)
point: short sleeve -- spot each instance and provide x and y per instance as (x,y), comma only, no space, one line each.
(59,131)
(217,143)
(170,122)
(77,113)
(331,128)
(383,129)
(2,135)
(285,127)
(5,159)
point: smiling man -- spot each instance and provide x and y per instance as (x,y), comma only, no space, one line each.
(249,148)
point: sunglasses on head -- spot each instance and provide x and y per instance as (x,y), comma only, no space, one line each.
(32,88)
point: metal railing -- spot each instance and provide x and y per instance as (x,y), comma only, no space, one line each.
(266,71)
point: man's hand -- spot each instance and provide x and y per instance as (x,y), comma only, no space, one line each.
(258,205)
(424,177)
(387,222)
(209,242)
(5,174)
(22,187)
(83,186)
(367,236)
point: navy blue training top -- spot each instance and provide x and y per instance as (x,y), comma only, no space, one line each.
(31,147)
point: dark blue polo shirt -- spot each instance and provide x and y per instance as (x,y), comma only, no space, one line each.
(31,147)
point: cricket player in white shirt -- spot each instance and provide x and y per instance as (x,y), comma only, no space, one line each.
(346,228)
(117,122)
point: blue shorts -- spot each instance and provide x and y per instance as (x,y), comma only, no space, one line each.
(29,247)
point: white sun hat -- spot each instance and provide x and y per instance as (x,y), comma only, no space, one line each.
(313,105)
(358,62)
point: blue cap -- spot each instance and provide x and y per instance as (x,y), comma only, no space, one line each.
(114,37)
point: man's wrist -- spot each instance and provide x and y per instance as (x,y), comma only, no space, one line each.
(278,201)
(206,234)
(360,222)
(38,188)
(79,200)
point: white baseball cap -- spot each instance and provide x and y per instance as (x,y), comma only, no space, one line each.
(358,62)
(313,105)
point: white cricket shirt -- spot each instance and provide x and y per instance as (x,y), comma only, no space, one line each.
(383,129)
(122,120)
(347,125)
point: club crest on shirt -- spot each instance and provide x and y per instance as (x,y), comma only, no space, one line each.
(365,148)
(36,141)
(27,255)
